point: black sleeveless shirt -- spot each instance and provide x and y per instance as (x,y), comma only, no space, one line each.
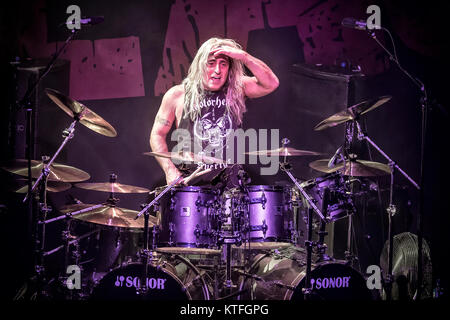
(210,135)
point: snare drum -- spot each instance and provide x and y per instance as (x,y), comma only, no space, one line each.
(270,215)
(188,218)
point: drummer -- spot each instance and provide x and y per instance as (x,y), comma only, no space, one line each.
(208,105)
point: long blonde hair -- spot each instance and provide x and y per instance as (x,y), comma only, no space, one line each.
(193,83)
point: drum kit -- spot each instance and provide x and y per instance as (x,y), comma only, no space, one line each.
(207,244)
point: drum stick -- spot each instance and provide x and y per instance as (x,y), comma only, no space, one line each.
(195,174)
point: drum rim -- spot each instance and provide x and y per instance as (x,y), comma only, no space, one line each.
(193,189)
(265,187)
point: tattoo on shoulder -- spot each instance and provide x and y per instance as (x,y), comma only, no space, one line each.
(162,121)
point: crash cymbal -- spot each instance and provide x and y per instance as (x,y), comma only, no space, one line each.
(79,111)
(354,168)
(108,215)
(352,112)
(52,186)
(58,172)
(111,187)
(283,151)
(186,156)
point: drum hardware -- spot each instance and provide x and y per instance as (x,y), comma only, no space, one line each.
(146,254)
(145,211)
(26,104)
(106,214)
(321,246)
(391,209)
(286,167)
(425,107)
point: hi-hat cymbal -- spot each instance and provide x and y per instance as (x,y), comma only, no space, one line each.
(186,156)
(354,168)
(352,112)
(52,186)
(79,111)
(108,215)
(58,172)
(111,187)
(283,151)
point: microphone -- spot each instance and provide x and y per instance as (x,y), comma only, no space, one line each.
(333,159)
(90,21)
(354,24)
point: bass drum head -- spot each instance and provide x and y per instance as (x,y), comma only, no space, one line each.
(334,282)
(284,278)
(164,283)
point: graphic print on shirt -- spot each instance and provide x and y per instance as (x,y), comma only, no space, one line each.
(213,127)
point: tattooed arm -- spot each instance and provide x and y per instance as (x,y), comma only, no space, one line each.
(164,119)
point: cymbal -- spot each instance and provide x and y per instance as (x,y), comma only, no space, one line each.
(108,215)
(111,187)
(283,151)
(352,112)
(52,186)
(186,156)
(79,111)
(354,168)
(58,172)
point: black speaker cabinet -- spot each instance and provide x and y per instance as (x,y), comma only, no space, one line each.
(318,92)
(47,120)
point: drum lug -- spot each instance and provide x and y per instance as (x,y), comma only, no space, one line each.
(197,233)
(173,201)
(264,228)
(171,233)
(263,202)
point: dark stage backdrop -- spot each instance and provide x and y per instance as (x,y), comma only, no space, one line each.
(121,68)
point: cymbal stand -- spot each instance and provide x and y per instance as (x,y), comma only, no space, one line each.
(68,241)
(67,134)
(425,106)
(39,231)
(321,246)
(391,209)
(146,253)
(231,237)
(286,167)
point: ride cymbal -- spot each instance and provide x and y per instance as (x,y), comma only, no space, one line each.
(80,112)
(351,113)
(108,215)
(354,168)
(113,187)
(58,172)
